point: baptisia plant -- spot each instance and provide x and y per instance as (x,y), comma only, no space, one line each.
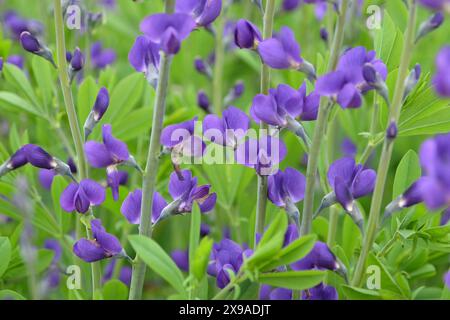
(31,44)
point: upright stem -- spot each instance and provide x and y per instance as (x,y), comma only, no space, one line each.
(151,170)
(67,93)
(388,145)
(265,85)
(321,125)
(73,123)
(218,65)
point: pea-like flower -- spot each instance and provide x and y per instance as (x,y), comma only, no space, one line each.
(349,182)
(347,83)
(283,105)
(267,292)
(441,80)
(262,154)
(168,30)
(283,52)
(46,176)
(124,275)
(320,292)
(111,152)
(247,35)
(98,110)
(320,258)
(81,196)
(101,57)
(144,57)
(103,245)
(37,157)
(227,130)
(204,12)
(226,256)
(31,44)
(131,206)
(285,189)
(438,5)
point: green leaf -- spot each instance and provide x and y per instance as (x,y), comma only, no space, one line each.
(407,172)
(115,290)
(5,254)
(295,280)
(270,243)
(201,258)
(58,185)
(9,294)
(158,260)
(355,293)
(13,101)
(293,252)
(44,76)
(17,78)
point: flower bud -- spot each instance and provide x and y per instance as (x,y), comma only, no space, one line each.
(235,93)
(246,35)
(100,106)
(77,61)
(202,67)
(392,131)
(203,101)
(411,80)
(374,79)
(29,42)
(324,34)
(431,24)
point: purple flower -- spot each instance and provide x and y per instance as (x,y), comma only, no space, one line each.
(15,25)
(29,42)
(37,157)
(144,57)
(102,246)
(438,5)
(262,154)
(320,292)
(203,11)
(226,256)
(267,292)
(116,178)
(429,25)
(131,206)
(447,279)
(290,5)
(180,139)
(441,80)
(435,160)
(16,60)
(46,176)
(101,58)
(226,130)
(53,275)
(202,67)
(348,148)
(246,35)
(111,152)
(283,52)
(168,30)
(81,196)
(185,192)
(235,93)
(77,61)
(203,101)
(347,83)
(124,273)
(320,257)
(181,259)
(283,104)
(445,218)
(100,106)
(349,182)
(286,188)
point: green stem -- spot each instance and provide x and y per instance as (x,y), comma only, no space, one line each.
(261,204)
(321,125)
(73,122)
(219,55)
(151,170)
(332,226)
(388,146)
